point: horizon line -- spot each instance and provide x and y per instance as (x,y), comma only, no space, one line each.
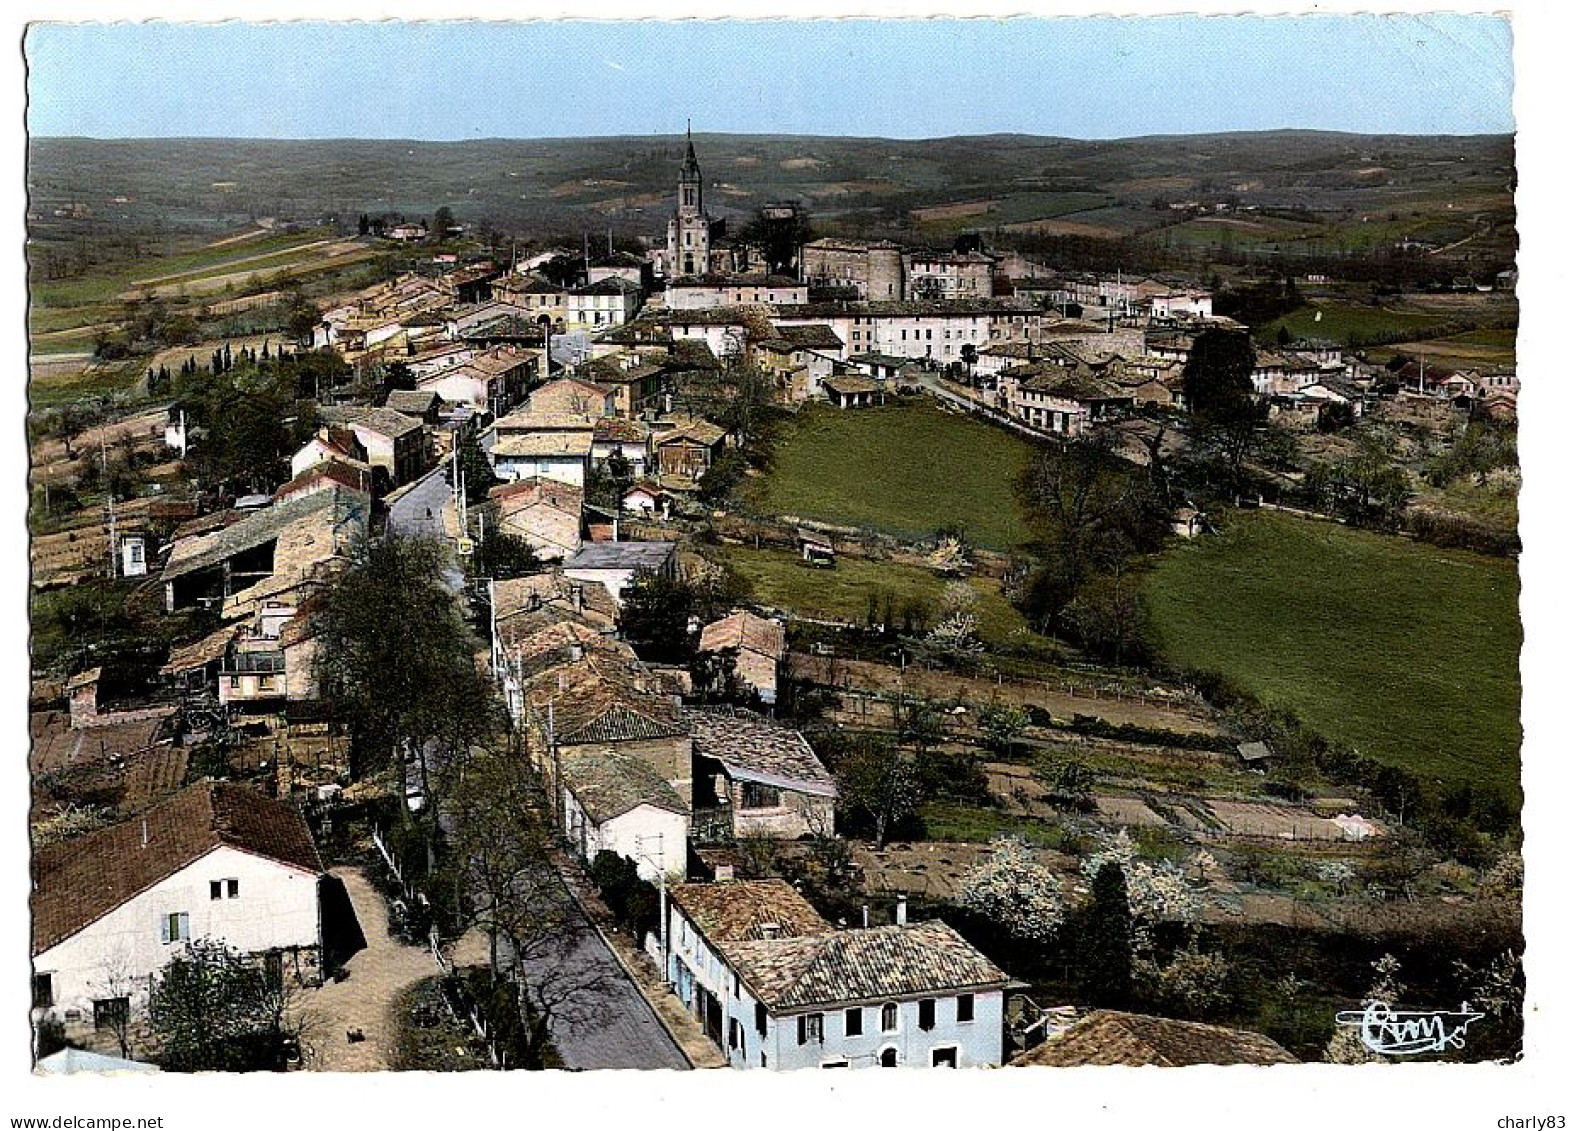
(734,134)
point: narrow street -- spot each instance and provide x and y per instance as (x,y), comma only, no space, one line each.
(612,1026)
(418,511)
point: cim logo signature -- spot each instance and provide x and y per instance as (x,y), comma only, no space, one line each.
(1393,1032)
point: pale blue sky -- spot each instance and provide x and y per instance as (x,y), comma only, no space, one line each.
(1073,77)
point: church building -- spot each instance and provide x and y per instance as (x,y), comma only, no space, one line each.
(696,243)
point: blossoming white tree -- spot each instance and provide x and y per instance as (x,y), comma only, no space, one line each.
(1157,891)
(1015,891)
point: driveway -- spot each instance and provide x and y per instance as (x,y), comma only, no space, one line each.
(364,1001)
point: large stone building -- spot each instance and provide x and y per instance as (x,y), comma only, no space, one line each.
(690,228)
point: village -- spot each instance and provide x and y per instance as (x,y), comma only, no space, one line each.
(497,717)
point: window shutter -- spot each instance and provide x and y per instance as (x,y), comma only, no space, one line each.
(185,925)
(803,1029)
(164,928)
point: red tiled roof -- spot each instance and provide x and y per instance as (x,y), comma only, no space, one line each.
(78,882)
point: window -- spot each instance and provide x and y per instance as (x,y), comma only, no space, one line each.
(809,1028)
(890,1017)
(853,1022)
(754,795)
(215,889)
(966,1007)
(945,1057)
(736,1034)
(175,927)
(928,1014)
(43,991)
(761,1019)
(836,1064)
(111,1012)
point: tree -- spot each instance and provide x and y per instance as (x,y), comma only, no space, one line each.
(958,628)
(396,660)
(1001,724)
(443,220)
(1346,1044)
(501,877)
(878,784)
(1068,781)
(1016,892)
(918,721)
(1107,614)
(779,230)
(1219,387)
(212,1009)
(1105,940)
(500,555)
(655,617)
(1155,891)
(477,470)
(1089,510)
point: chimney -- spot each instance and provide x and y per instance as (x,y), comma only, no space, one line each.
(577,652)
(901,914)
(563,683)
(145,832)
(578,596)
(865,915)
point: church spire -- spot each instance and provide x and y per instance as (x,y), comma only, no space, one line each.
(691,165)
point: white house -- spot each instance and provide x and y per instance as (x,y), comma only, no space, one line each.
(605,303)
(564,456)
(776,986)
(621,804)
(614,564)
(218,860)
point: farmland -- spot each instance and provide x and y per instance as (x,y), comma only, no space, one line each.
(906,469)
(783,581)
(1407,652)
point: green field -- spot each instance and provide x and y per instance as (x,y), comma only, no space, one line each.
(1342,322)
(103,285)
(781,579)
(1407,652)
(907,469)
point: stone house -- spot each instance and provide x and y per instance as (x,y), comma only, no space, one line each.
(756,777)
(759,646)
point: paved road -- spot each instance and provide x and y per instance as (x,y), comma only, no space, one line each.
(419,512)
(612,1026)
(932,383)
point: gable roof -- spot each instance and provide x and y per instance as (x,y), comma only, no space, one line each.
(610,786)
(78,882)
(622,555)
(863,964)
(746,631)
(522,493)
(412,402)
(737,910)
(336,505)
(384,421)
(1110,1037)
(753,748)
(702,432)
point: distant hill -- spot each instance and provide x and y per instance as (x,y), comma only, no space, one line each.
(548,187)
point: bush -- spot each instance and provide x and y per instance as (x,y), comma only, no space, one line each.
(633,901)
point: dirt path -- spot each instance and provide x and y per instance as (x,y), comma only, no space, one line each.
(364,1001)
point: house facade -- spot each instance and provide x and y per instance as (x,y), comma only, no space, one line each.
(218,860)
(775,986)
